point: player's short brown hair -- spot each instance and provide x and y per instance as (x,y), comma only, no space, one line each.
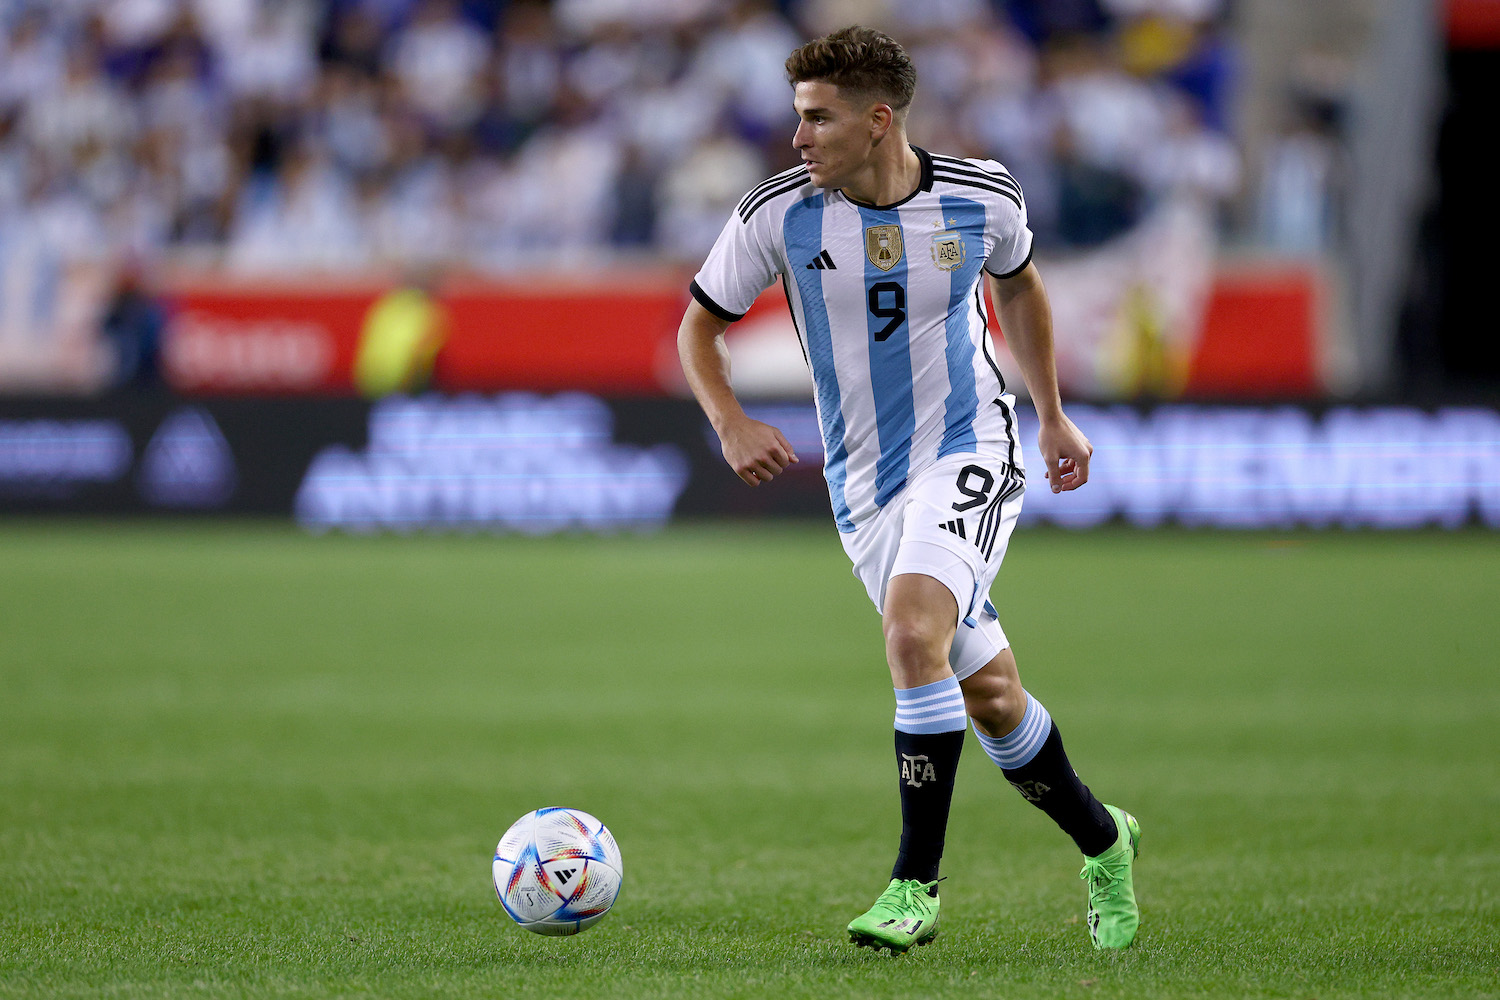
(861,60)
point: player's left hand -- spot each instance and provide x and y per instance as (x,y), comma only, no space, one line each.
(1066,452)
(756,451)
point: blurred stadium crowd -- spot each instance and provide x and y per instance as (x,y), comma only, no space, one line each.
(293,135)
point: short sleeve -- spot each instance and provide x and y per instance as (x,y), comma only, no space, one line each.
(741,265)
(1011,251)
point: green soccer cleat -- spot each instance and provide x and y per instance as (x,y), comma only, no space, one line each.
(904,915)
(1113,913)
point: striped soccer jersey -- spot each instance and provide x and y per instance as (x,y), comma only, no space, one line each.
(889,311)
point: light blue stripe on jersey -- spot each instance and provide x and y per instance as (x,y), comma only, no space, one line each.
(890,366)
(802,228)
(932,708)
(963,399)
(1017,747)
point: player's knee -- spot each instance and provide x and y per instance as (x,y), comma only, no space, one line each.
(914,649)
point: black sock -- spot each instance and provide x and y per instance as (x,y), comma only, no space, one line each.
(1049,782)
(926,763)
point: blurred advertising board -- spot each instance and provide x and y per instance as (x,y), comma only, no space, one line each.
(613,336)
(537,463)
(1243,331)
(141,453)
(506,462)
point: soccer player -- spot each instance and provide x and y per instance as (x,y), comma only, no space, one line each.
(881,247)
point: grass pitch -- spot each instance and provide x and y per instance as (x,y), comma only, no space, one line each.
(239,761)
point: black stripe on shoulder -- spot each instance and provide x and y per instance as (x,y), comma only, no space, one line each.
(1015,270)
(955,177)
(1009,183)
(961,169)
(775,192)
(965,167)
(982,186)
(768,182)
(708,303)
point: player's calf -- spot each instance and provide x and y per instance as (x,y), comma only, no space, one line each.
(994,697)
(1033,760)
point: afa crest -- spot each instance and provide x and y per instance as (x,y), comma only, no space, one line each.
(883,246)
(948,250)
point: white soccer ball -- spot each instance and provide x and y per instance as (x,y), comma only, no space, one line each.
(557,871)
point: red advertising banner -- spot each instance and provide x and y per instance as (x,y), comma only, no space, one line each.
(617,336)
(1260,336)
(247,341)
(235,338)
(599,337)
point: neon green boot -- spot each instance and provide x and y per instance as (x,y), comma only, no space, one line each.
(1113,913)
(904,915)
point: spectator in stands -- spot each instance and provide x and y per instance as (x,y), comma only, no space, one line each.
(273,60)
(284,133)
(304,218)
(32,58)
(437,59)
(132,326)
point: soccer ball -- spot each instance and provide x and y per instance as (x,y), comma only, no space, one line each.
(557,871)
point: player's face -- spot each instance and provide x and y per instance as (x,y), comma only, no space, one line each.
(834,138)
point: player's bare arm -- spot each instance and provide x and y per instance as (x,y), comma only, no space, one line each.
(756,451)
(1026,318)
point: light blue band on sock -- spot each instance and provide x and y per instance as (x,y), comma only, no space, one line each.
(1020,745)
(932,708)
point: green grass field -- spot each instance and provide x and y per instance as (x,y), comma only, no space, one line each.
(236,760)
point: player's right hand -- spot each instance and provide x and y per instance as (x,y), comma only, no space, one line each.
(757,452)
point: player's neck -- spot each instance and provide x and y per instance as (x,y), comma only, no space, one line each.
(892,174)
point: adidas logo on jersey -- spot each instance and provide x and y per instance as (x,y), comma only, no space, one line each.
(823,262)
(956,526)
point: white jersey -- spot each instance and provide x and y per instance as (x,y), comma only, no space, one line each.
(889,310)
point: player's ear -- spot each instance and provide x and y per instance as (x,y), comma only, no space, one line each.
(881,120)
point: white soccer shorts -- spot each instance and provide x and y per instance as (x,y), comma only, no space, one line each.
(952,522)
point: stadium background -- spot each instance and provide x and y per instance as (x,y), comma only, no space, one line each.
(202,204)
(282,651)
